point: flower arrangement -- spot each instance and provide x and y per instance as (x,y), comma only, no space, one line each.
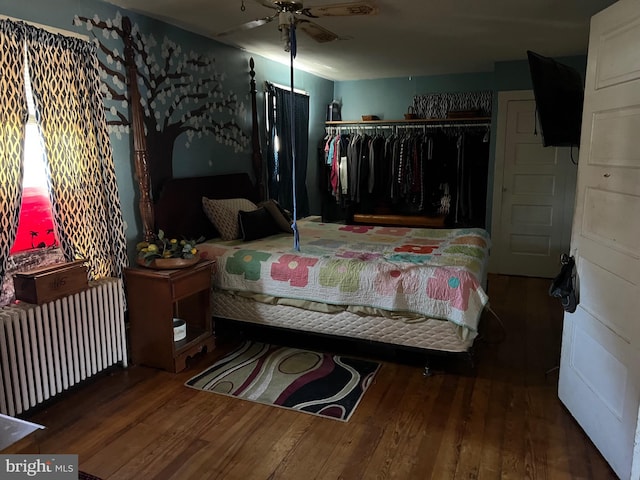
(163,247)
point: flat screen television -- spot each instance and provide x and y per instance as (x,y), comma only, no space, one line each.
(559,95)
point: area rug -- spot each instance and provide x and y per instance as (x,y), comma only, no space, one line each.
(311,382)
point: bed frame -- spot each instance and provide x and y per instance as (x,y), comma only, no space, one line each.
(184,194)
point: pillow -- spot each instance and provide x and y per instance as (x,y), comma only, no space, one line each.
(279,214)
(224,214)
(256,224)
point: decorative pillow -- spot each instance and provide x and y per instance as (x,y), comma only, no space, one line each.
(279,214)
(256,224)
(224,214)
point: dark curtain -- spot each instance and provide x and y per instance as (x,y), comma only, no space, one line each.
(279,163)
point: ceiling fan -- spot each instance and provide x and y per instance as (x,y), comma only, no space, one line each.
(290,12)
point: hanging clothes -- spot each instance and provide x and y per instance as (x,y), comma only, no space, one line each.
(431,172)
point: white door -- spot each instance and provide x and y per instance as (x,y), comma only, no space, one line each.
(534,192)
(600,361)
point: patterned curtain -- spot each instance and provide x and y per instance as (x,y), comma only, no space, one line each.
(13,117)
(70,111)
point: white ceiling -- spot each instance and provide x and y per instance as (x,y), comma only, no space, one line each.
(405,38)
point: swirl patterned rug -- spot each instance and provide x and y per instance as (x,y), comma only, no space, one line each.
(310,382)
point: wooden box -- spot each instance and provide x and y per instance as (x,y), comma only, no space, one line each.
(45,284)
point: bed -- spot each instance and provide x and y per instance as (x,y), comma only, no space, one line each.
(409,287)
(415,288)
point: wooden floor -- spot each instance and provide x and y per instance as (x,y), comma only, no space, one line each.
(501,420)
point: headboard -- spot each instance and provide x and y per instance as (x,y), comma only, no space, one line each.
(179,201)
(178,211)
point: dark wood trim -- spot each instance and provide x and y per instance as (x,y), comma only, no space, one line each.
(140,154)
(398,220)
(256,153)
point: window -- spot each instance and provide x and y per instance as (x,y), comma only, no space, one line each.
(78,165)
(287,121)
(35,225)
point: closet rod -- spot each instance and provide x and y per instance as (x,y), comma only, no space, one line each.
(355,126)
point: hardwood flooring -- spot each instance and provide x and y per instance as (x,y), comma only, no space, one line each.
(501,419)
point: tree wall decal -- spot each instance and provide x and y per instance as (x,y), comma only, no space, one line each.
(180,92)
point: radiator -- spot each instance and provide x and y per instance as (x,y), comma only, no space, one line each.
(45,349)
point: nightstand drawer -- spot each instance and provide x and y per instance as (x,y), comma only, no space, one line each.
(188,285)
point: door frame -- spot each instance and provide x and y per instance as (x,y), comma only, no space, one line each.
(562,154)
(504,97)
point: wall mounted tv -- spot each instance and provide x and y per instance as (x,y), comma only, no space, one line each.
(559,95)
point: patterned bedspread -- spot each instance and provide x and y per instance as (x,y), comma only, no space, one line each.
(436,273)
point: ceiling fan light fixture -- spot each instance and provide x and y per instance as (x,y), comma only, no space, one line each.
(285,21)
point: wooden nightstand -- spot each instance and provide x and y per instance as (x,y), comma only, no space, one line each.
(154,299)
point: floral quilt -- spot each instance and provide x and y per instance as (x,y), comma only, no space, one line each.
(436,273)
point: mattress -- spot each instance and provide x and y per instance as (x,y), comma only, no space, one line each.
(432,273)
(428,334)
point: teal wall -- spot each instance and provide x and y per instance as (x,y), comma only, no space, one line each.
(201,156)
(389,98)
(515,75)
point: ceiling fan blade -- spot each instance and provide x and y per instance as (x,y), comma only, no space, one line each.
(248,26)
(268,4)
(340,10)
(318,33)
